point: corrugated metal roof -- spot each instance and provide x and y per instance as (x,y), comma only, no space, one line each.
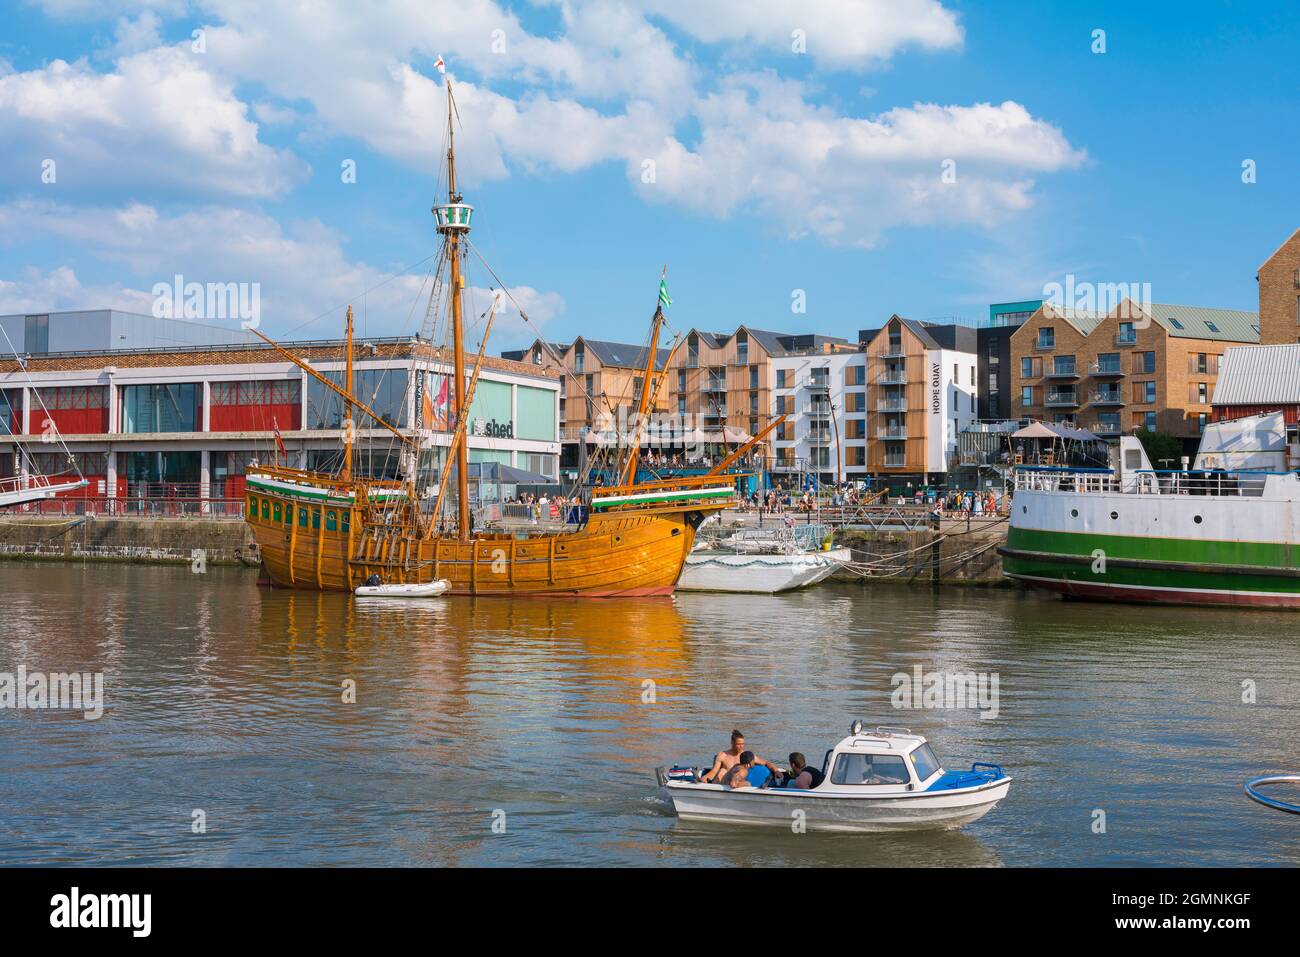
(1197,322)
(1259,375)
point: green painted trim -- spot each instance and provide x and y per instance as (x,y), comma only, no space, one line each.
(1153,563)
(598,503)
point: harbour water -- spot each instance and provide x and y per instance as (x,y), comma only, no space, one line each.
(227,699)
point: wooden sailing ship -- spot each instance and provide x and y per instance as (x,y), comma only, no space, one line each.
(336,531)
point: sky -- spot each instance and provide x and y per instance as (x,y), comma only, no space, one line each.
(810,166)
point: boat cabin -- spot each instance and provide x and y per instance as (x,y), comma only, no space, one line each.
(887,759)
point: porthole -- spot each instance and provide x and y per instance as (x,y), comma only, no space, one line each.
(1024,509)
(1197,520)
(1074,513)
(1114,516)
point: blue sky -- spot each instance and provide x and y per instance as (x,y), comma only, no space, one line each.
(774,170)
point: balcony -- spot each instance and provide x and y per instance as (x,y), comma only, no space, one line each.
(1062,400)
(1107,428)
(891,405)
(785,465)
(1062,370)
(819,383)
(819,436)
(1108,397)
(892,432)
(715,385)
(1102,370)
(893,351)
(1042,345)
(892,377)
(895,461)
(819,410)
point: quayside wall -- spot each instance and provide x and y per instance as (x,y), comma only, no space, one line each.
(144,540)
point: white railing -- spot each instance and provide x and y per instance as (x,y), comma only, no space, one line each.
(1145,482)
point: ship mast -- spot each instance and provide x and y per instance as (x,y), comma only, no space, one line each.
(453,219)
(347,405)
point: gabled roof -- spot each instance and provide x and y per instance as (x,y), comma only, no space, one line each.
(622,354)
(1259,375)
(773,343)
(1081,319)
(1198,322)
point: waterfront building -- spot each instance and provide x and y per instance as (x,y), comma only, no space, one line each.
(993,342)
(1151,366)
(1254,380)
(1279,294)
(185,422)
(109,329)
(824,396)
(600,388)
(922,383)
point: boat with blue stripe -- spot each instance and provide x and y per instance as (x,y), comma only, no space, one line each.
(886,779)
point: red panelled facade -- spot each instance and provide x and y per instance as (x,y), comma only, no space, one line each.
(1225,413)
(74,410)
(255,406)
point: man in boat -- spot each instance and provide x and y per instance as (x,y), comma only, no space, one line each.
(726,761)
(752,771)
(802,776)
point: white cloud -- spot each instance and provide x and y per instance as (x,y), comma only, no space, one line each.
(158,119)
(306,280)
(846,179)
(848,34)
(136,36)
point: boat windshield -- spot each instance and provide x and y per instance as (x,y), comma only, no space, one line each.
(869,769)
(925,762)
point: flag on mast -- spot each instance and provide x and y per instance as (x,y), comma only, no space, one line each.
(665,300)
(442,67)
(279,441)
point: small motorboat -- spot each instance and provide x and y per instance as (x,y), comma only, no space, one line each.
(410,590)
(887,779)
(761,561)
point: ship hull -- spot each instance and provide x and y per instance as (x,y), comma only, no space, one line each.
(1165,549)
(615,555)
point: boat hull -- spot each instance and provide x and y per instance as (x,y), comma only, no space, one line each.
(326,546)
(714,571)
(913,811)
(1167,549)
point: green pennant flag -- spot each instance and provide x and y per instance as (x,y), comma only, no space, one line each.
(665,300)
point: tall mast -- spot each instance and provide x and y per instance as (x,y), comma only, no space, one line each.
(347,405)
(647,381)
(453,219)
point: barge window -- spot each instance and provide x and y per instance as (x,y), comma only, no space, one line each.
(347,521)
(869,769)
(331,521)
(315,518)
(302,518)
(252,505)
(278,516)
(924,761)
(266,508)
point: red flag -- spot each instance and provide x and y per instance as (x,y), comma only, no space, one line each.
(279,441)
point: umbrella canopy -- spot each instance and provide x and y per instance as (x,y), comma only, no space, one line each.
(1036,430)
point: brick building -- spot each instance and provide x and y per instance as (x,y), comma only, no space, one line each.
(1138,367)
(1279,294)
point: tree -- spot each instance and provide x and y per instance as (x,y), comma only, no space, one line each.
(1161,445)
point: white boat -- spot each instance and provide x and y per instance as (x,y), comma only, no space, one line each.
(726,571)
(761,561)
(410,590)
(882,780)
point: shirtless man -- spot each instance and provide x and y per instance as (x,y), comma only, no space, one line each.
(725,760)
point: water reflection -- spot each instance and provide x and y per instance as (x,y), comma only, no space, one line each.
(231,699)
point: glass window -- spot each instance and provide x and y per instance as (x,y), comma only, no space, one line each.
(869,769)
(1027,395)
(302,518)
(315,518)
(924,761)
(172,407)
(1026,368)
(288,514)
(278,516)
(252,505)
(331,521)
(266,508)
(384,390)
(1126,332)
(1149,421)
(1047,338)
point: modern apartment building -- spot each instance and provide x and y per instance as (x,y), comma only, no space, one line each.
(600,388)
(1279,294)
(724,382)
(1151,366)
(922,384)
(824,395)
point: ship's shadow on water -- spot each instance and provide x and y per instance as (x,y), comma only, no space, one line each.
(317,729)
